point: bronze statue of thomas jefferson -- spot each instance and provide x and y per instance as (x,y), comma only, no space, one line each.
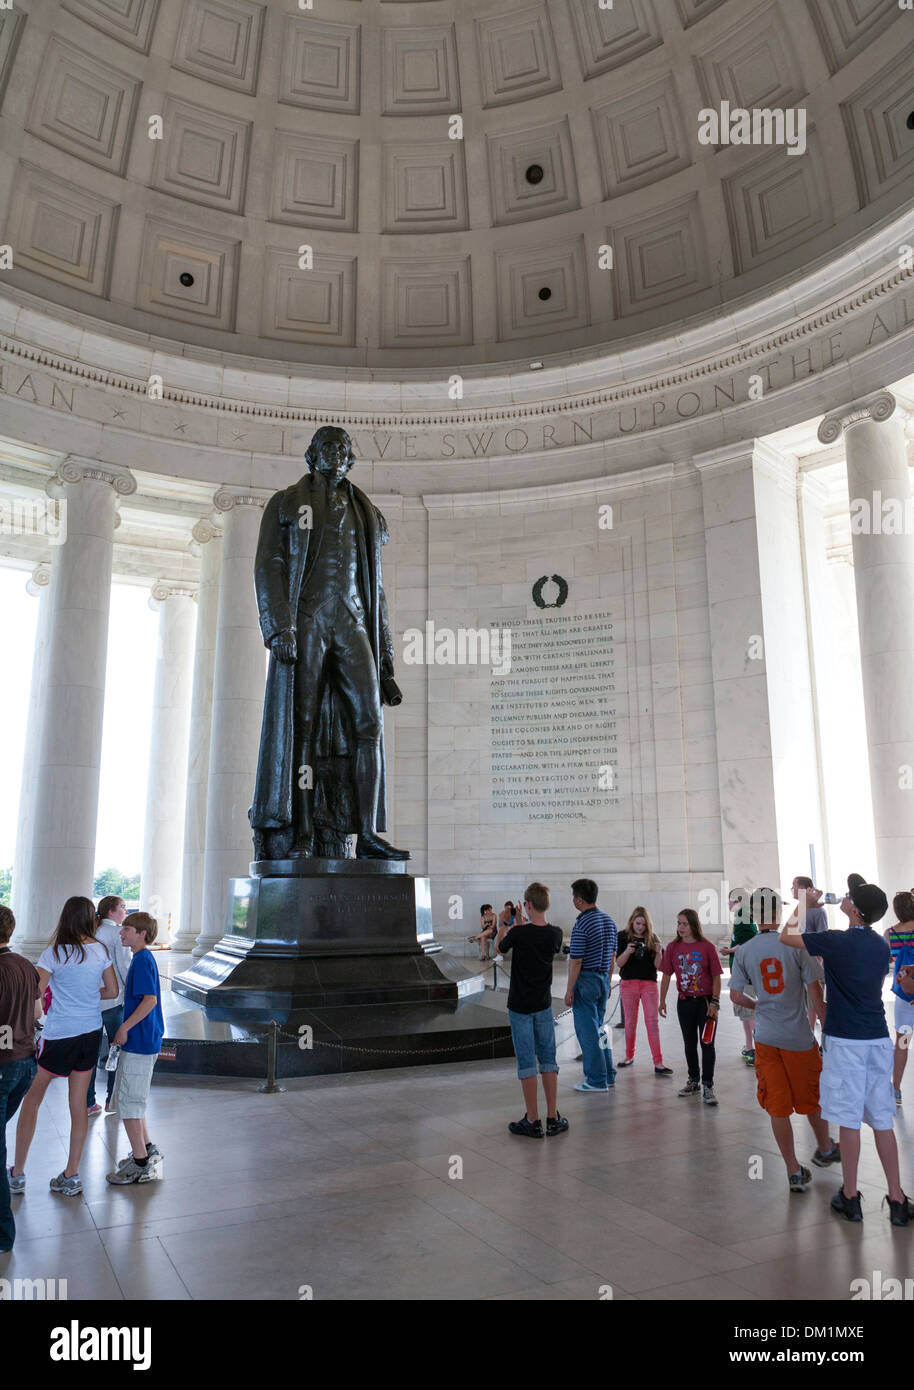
(323,614)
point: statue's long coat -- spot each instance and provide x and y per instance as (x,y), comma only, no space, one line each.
(286,550)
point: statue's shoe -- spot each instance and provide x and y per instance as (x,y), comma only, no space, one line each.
(372,847)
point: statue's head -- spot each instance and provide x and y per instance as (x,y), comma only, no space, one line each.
(330,453)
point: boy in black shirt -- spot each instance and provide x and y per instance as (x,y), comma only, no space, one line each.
(534,943)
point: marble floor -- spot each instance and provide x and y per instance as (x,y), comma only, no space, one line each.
(347,1187)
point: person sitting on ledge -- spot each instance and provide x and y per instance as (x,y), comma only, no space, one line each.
(488,928)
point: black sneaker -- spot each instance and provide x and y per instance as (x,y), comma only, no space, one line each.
(900,1213)
(822,1160)
(530,1129)
(848,1207)
(557,1126)
(663,1071)
(800,1180)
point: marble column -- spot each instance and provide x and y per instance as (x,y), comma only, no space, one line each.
(767,779)
(239,677)
(163,839)
(65,764)
(207,543)
(38,587)
(882,537)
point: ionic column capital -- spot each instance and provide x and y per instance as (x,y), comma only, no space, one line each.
(75,469)
(206,530)
(877,407)
(39,579)
(229,497)
(164,589)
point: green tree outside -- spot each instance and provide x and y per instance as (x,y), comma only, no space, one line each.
(108,883)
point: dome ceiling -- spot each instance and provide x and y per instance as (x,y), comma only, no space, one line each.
(327,135)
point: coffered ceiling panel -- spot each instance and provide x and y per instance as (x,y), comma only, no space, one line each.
(424,186)
(309,306)
(877,124)
(203,156)
(753,64)
(219,40)
(607,38)
(517,56)
(659,258)
(62,231)
(130,21)
(532,173)
(425,302)
(315,181)
(845,27)
(84,106)
(419,72)
(777,204)
(321,65)
(543,289)
(640,137)
(188,274)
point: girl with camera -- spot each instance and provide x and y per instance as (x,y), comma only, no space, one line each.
(637,956)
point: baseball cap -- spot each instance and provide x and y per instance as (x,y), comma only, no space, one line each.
(869,900)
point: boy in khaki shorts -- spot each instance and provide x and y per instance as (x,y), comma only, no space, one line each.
(140,1039)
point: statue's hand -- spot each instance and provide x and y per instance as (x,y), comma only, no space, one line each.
(284,645)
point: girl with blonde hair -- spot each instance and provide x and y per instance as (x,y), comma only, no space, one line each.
(637,956)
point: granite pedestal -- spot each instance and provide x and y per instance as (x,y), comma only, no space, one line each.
(341,954)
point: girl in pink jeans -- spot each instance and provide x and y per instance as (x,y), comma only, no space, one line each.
(637,957)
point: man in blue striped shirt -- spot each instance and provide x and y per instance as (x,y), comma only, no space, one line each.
(590,963)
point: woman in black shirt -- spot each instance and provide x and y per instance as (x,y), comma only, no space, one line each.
(637,957)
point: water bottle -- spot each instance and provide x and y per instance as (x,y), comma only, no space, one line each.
(113,1053)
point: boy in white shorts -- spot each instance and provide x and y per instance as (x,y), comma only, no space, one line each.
(856,1083)
(140,1039)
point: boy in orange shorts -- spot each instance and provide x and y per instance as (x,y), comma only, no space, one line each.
(787,1060)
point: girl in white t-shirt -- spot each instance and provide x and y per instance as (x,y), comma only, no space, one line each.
(109,918)
(80,975)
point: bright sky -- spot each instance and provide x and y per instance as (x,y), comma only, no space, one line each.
(132,637)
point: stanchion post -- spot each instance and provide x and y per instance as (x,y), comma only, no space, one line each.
(271,1085)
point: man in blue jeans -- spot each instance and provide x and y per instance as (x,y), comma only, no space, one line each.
(534,943)
(590,963)
(20,1005)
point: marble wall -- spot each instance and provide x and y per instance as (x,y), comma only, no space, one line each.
(629,548)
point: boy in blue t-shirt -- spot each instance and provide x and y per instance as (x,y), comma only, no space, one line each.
(139,1038)
(856,1082)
